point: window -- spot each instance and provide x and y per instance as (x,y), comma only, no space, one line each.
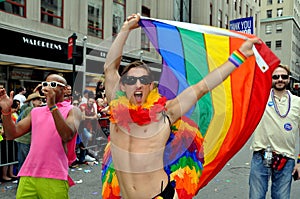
(235,4)
(268,43)
(220,19)
(210,13)
(95,18)
(247,8)
(268,29)
(226,22)
(279,1)
(278,44)
(279,27)
(269,2)
(279,12)
(52,12)
(269,13)
(118,15)
(16,7)
(145,43)
(240,8)
(182,10)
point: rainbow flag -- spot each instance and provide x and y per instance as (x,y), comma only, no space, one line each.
(228,115)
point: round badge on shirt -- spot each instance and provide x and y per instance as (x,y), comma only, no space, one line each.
(271,103)
(288,126)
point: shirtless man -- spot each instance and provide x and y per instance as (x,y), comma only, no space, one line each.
(137,148)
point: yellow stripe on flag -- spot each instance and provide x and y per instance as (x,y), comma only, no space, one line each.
(218,51)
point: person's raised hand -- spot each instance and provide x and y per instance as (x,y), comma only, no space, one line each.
(5,101)
(50,96)
(246,47)
(132,22)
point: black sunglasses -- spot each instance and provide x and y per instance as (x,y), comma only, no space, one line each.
(52,84)
(284,77)
(131,80)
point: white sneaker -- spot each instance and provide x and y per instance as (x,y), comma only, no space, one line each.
(89,159)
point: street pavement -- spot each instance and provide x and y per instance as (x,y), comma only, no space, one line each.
(230,183)
(232,180)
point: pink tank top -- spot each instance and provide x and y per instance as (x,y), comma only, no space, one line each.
(47,158)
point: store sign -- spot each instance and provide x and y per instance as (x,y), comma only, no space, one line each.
(21,74)
(42,44)
(244,25)
(30,46)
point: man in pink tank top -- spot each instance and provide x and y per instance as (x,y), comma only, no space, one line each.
(44,173)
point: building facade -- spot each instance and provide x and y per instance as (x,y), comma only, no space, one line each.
(280,30)
(35,34)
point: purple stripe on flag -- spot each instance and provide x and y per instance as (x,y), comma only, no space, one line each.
(150,30)
(168,84)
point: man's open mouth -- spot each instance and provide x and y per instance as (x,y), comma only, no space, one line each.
(138,96)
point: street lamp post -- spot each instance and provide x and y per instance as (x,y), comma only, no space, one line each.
(84,63)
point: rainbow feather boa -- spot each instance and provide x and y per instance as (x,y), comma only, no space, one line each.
(183,158)
(123,112)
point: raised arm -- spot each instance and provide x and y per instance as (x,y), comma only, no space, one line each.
(12,130)
(114,56)
(183,102)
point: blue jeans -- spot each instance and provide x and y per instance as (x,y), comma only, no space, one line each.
(260,175)
(85,137)
(23,150)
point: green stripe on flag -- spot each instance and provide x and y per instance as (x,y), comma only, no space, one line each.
(196,68)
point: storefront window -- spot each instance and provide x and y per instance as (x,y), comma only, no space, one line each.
(118,15)
(16,7)
(95,17)
(52,12)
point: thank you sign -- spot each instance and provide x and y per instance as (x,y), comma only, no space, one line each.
(244,25)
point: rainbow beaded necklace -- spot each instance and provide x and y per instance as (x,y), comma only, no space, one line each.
(276,107)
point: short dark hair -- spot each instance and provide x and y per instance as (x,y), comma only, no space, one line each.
(15,103)
(285,67)
(137,64)
(20,89)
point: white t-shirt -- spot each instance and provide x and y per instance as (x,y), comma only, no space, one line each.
(21,98)
(279,132)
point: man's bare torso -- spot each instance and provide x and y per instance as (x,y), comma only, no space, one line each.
(138,157)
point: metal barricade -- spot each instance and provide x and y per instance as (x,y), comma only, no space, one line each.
(8,152)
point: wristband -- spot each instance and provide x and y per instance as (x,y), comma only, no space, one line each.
(53,108)
(237,58)
(6,113)
(298,160)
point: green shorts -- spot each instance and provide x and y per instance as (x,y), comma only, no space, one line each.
(42,188)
